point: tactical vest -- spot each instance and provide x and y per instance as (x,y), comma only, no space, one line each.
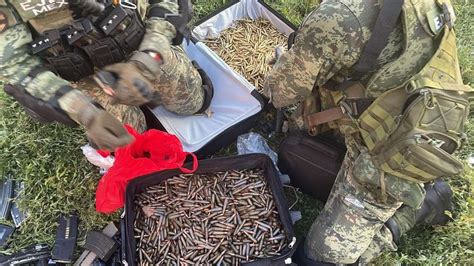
(74,42)
(415,124)
(75,36)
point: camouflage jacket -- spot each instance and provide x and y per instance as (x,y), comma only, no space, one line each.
(19,18)
(329,43)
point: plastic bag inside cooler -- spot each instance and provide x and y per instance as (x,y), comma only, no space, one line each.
(235,99)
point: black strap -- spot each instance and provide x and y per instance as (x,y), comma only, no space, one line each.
(207,86)
(31,75)
(291,39)
(386,22)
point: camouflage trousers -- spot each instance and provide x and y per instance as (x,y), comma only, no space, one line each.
(178,83)
(351,225)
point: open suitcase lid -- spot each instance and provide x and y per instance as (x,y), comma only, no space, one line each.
(235,99)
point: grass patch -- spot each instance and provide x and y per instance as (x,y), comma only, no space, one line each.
(56,176)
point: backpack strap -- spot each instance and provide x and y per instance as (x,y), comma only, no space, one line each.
(384,25)
(355,104)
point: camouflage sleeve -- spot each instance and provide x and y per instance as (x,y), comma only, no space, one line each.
(329,40)
(158,38)
(159,32)
(16,62)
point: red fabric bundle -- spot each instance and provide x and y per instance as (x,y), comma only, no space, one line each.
(151,151)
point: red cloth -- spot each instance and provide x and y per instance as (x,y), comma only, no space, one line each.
(151,151)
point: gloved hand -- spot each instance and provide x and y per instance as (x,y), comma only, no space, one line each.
(103,129)
(125,84)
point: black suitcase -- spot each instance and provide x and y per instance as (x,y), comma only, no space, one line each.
(249,161)
(312,163)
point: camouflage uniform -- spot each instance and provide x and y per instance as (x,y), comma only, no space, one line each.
(177,82)
(327,46)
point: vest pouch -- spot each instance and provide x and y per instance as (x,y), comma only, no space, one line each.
(124,26)
(441,111)
(71,66)
(100,49)
(419,159)
(104,52)
(428,131)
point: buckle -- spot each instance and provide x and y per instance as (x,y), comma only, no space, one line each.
(410,87)
(349,109)
(448,15)
(346,108)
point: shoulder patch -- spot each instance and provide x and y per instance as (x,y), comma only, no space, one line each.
(3,22)
(7,18)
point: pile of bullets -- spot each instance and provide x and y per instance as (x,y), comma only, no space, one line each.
(248,47)
(219,218)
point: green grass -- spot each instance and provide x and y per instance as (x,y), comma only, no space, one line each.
(57,178)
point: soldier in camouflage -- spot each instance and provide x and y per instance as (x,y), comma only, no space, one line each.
(157,73)
(368,209)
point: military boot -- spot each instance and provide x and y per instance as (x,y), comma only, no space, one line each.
(438,200)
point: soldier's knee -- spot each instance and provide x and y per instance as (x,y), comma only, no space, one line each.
(188,106)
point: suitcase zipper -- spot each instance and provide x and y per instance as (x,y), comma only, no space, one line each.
(122,238)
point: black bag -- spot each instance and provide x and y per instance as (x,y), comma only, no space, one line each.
(312,163)
(242,162)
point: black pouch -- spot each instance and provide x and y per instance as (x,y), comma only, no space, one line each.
(124,26)
(243,162)
(312,163)
(100,49)
(70,62)
(72,66)
(104,52)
